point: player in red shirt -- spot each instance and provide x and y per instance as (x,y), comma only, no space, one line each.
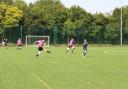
(19,44)
(71,45)
(40,45)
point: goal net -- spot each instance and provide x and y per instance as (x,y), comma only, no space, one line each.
(30,40)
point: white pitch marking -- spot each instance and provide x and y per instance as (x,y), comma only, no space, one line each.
(43,82)
(115,52)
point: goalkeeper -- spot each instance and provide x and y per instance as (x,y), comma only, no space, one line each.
(40,45)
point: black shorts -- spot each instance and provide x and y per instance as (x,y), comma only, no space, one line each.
(6,44)
(40,48)
(20,45)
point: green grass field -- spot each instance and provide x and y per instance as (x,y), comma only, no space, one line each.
(103,68)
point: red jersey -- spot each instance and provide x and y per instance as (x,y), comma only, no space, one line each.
(71,43)
(19,42)
(40,43)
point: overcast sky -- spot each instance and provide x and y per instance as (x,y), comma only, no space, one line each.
(93,6)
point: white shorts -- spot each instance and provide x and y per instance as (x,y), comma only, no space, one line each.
(84,51)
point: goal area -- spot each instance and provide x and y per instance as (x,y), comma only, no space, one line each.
(30,40)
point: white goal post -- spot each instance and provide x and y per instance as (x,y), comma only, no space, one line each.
(31,39)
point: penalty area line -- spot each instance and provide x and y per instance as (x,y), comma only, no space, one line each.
(115,52)
(41,81)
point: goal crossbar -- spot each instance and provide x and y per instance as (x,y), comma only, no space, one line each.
(30,36)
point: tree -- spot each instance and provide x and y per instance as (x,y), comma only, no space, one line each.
(21,5)
(99,25)
(9,16)
(9,2)
(69,27)
(75,20)
(112,30)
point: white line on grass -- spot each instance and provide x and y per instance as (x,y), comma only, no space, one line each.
(43,82)
(116,52)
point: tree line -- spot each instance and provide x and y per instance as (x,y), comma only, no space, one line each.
(51,17)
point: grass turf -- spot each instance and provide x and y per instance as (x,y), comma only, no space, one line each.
(103,68)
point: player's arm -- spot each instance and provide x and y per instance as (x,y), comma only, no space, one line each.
(36,42)
(85,44)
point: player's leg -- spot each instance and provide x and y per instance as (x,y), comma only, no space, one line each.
(39,51)
(3,44)
(84,52)
(6,46)
(73,49)
(18,47)
(68,48)
(46,50)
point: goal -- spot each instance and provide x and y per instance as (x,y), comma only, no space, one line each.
(31,39)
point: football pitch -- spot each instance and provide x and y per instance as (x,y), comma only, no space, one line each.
(103,68)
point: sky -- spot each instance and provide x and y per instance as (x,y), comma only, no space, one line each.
(93,6)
